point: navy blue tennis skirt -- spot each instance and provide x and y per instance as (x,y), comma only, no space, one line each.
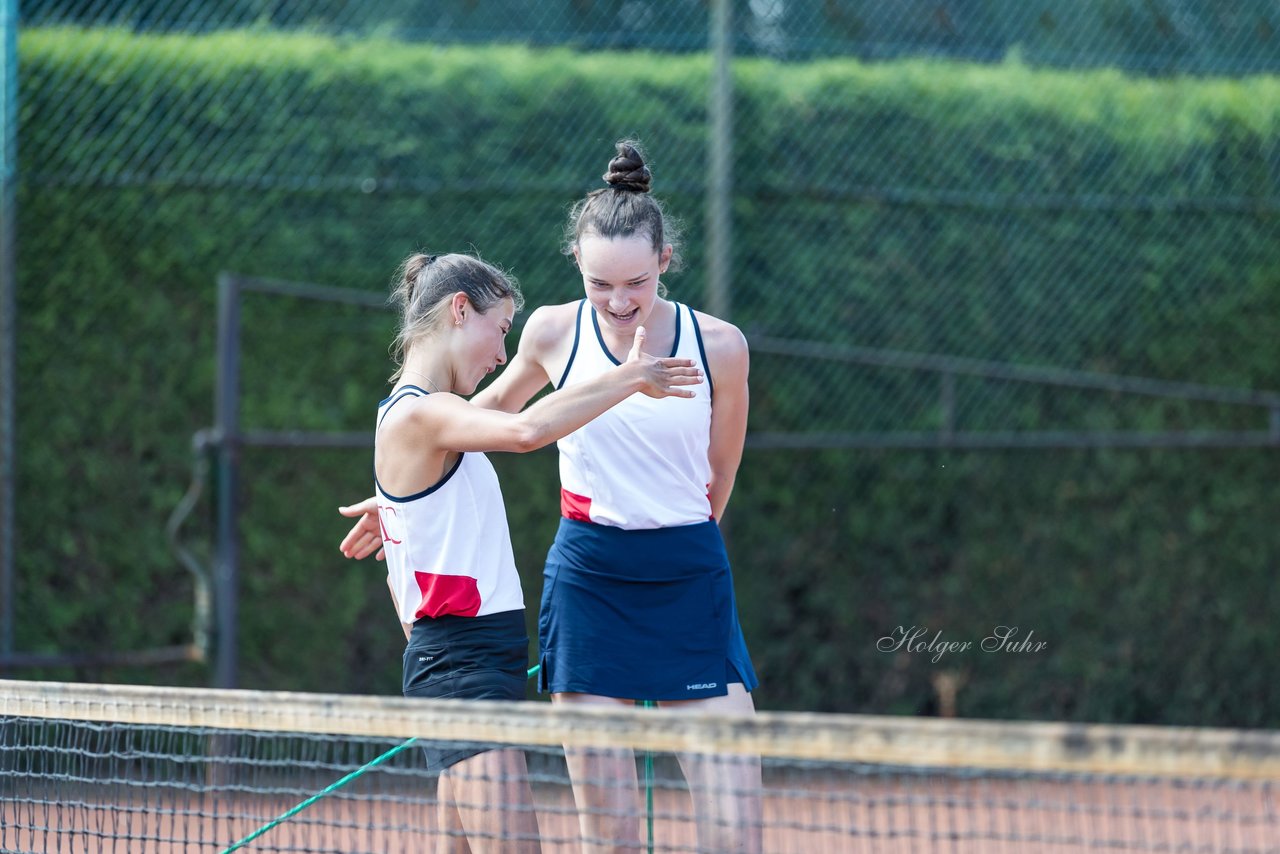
(640,615)
(467,658)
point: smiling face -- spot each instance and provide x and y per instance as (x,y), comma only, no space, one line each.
(620,275)
(480,343)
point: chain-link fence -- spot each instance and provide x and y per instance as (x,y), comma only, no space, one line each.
(1008,270)
(1166,36)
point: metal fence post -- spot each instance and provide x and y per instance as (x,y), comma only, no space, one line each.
(720,163)
(8,313)
(226,425)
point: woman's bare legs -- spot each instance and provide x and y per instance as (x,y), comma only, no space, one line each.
(451,837)
(605,788)
(726,790)
(487,803)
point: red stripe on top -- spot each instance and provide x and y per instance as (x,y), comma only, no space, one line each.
(446,594)
(576,507)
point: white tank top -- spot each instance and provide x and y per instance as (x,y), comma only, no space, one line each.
(448,547)
(643,463)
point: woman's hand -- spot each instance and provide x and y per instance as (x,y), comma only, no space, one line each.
(366,536)
(662,377)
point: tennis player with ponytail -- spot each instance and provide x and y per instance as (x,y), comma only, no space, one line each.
(638,600)
(442,521)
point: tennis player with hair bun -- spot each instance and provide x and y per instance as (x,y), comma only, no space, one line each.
(440,517)
(638,600)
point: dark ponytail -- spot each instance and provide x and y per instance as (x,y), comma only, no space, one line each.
(424,286)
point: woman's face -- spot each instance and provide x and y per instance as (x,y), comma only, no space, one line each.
(482,344)
(620,275)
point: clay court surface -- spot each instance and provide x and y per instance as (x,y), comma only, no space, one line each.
(198,770)
(812,814)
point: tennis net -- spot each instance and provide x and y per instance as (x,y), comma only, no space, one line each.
(110,768)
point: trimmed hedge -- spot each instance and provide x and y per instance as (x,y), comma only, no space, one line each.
(916,206)
(1160,36)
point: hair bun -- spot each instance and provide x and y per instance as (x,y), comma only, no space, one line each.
(627,171)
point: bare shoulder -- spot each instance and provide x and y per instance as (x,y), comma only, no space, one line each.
(402,428)
(410,416)
(725,344)
(547,328)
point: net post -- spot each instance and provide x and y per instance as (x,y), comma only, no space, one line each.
(648,787)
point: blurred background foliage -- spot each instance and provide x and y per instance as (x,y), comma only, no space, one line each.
(927,198)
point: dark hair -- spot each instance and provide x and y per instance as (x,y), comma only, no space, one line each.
(424,285)
(625,207)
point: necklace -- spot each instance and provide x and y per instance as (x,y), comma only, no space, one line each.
(430,382)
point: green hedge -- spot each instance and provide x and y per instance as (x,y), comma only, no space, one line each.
(1157,36)
(1145,572)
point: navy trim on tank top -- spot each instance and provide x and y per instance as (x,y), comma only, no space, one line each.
(595,320)
(675,345)
(706,367)
(408,391)
(430,489)
(577,334)
(405,391)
